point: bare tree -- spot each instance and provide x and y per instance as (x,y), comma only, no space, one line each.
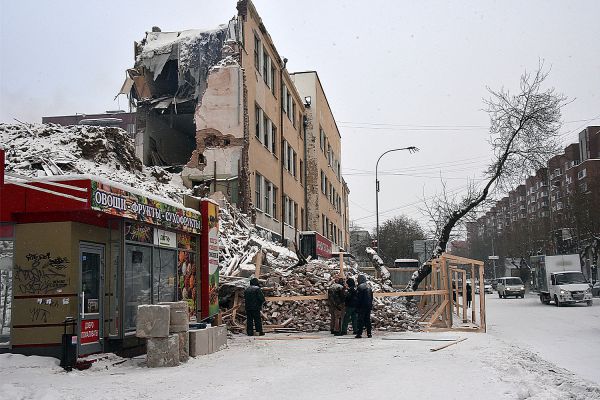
(523,136)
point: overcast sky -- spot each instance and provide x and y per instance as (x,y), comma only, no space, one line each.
(396,74)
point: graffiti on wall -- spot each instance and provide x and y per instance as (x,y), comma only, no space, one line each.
(42,273)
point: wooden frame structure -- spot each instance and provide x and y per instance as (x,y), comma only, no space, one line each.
(440,301)
(448,277)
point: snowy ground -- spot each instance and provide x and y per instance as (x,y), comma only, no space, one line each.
(486,366)
(567,336)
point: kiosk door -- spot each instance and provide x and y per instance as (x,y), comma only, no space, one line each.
(91,258)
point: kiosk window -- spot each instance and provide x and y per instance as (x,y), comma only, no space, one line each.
(90,281)
(138,282)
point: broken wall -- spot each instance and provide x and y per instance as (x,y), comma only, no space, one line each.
(168,81)
(219,120)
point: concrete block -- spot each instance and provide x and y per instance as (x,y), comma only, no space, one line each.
(220,337)
(179,316)
(162,352)
(184,346)
(211,339)
(198,342)
(152,321)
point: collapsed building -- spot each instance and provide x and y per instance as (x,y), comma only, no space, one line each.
(219,107)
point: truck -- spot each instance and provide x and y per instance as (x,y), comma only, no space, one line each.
(560,279)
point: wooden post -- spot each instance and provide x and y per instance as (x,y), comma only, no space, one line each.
(481,300)
(342,264)
(464,290)
(456,290)
(445,277)
(473,293)
(258,263)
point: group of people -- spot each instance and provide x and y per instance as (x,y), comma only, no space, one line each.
(347,302)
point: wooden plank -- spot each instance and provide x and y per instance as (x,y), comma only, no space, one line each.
(481,300)
(377,294)
(297,298)
(461,260)
(448,345)
(473,294)
(342,264)
(258,263)
(439,311)
(408,294)
(464,290)
(420,340)
(290,338)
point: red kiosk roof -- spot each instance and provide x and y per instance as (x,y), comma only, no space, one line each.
(92,200)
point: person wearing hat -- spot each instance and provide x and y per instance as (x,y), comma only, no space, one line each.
(364,305)
(335,299)
(254,300)
(350,301)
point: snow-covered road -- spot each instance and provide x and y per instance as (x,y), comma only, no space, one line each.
(511,362)
(567,336)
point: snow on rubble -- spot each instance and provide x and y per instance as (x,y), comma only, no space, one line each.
(40,150)
(245,253)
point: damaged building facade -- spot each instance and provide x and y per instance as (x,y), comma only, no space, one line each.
(220,108)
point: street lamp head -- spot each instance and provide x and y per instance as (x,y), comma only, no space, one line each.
(412,149)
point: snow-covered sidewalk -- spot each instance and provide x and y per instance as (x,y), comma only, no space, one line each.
(483,366)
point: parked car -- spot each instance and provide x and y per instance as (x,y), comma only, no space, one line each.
(596,289)
(510,286)
(487,287)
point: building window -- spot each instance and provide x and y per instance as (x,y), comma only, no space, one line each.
(294,165)
(266,67)
(274,202)
(267,194)
(273,139)
(293,115)
(273,79)
(289,104)
(323,183)
(266,130)
(258,192)
(257,50)
(295,215)
(322,139)
(286,209)
(258,118)
(284,97)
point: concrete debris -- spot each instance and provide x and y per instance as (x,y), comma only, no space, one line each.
(184,346)
(178,316)
(152,321)
(163,352)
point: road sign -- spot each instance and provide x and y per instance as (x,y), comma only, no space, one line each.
(493,258)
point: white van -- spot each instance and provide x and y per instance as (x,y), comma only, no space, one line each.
(510,286)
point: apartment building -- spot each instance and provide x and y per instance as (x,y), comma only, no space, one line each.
(221,106)
(326,188)
(549,192)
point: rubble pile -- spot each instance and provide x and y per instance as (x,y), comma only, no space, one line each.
(389,313)
(38,150)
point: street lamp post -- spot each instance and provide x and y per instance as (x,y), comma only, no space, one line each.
(411,149)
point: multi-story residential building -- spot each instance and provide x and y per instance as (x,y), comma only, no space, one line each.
(328,192)
(549,192)
(221,105)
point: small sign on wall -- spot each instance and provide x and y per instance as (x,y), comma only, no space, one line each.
(165,238)
(90,331)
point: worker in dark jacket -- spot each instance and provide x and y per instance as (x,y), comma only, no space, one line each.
(335,300)
(254,300)
(364,305)
(350,302)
